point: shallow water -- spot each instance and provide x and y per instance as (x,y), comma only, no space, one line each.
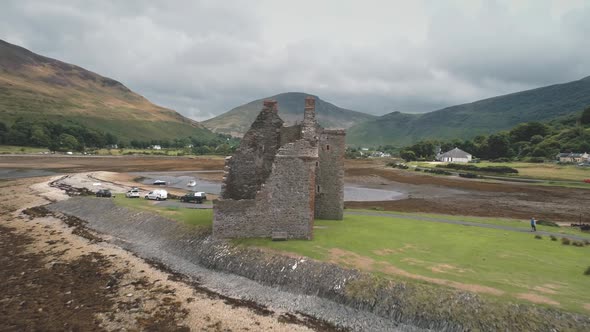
(16,173)
(357,193)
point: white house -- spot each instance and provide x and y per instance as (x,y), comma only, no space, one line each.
(156,147)
(571,157)
(455,156)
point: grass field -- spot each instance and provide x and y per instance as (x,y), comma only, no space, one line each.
(504,265)
(544,171)
(195,217)
(4,149)
(516,223)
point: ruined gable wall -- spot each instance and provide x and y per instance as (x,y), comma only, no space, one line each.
(329,202)
(285,202)
(251,164)
(290,134)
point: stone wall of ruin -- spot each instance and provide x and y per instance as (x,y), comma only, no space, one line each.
(251,164)
(285,203)
(330,175)
(290,134)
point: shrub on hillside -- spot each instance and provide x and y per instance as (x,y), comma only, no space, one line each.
(553,238)
(547,223)
(538,237)
(565,241)
(578,243)
(587,272)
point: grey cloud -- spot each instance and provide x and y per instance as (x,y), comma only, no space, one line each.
(205,57)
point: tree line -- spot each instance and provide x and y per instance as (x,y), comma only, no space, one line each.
(72,136)
(531,141)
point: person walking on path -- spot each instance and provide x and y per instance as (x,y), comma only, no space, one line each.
(533,224)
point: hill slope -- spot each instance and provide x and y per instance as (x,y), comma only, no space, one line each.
(480,117)
(237,121)
(40,88)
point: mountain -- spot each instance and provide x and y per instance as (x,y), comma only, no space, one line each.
(237,121)
(40,88)
(477,118)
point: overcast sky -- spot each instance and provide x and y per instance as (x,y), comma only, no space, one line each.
(203,58)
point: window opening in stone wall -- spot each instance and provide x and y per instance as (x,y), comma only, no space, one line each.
(328,147)
(318,189)
(317,163)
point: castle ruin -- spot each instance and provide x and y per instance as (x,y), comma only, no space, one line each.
(280,178)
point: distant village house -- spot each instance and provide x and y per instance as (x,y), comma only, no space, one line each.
(571,157)
(454,156)
(156,147)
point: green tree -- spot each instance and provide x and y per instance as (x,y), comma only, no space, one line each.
(408,155)
(39,137)
(68,142)
(3,132)
(499,146)
(585,119)
(525,131)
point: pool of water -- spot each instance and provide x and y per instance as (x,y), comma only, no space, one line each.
(16,173)
(357,193)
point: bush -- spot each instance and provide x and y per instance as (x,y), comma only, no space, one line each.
(535,160)
(547,223)
(586,242)
(538,237)
(398,165)
(578,243)
(565,241)
(437,171)
(468,175)
(553,237)
(487,169)
(587,272)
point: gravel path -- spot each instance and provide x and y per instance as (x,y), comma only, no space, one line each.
(465,223)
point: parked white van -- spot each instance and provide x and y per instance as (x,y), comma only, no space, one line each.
(158,195)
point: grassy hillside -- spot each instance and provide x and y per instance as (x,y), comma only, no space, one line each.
(480,117)
(237,121)
(35,87)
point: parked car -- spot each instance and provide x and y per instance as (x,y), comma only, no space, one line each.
(132,193)
(197,197)
(158,195)
(159,183)
(103,193)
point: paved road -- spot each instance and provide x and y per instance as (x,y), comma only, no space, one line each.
(465,223)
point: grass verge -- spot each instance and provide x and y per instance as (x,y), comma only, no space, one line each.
(194,217)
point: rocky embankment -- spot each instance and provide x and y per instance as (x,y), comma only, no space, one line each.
(345,298)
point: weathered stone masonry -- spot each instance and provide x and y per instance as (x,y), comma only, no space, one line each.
(281,178)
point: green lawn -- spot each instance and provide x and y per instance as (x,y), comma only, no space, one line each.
(4,149)
(498,264)
(516,223)
(195,217)
(510,264)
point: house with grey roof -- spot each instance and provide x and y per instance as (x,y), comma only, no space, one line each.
(454,156)
(572,157)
